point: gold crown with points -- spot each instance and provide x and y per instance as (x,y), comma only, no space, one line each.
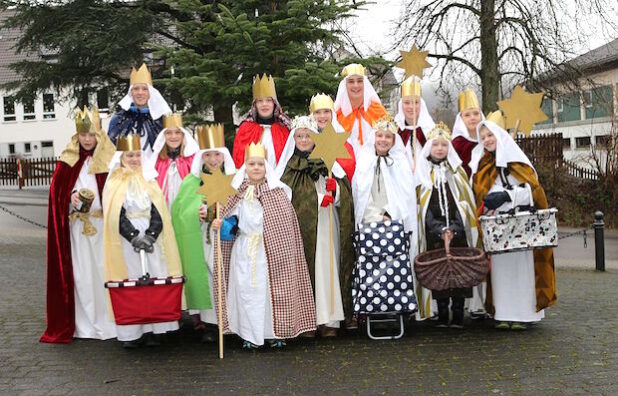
(173,120)
(440,130)
(140,76)
(385,123)
(468,100)
(210,136)
(87,121)
(353,69)
(411,86)
(255,150)
(264,87)
(497,118)
(128,143)
(321,101)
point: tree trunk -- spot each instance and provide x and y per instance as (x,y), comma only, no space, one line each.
(490,77)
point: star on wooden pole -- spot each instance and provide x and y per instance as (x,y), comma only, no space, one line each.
(522,110)
(329,146)
(217,187)
(413,62)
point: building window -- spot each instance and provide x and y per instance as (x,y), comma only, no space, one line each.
(103,99)
(49,107)
(48,143)
(9,108)
(27,148)
(560,105)
(546,106)
(11,148)
(587,99)
(581,142)
(82,98)
(571,108)
(602,140)
(28,104)
(601,102)
(566,143)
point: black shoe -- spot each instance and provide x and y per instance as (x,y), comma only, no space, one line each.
(130,344)
(458,313)
(442,312)
(209,336)
(151,340)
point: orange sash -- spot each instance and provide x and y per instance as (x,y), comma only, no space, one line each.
(373,113)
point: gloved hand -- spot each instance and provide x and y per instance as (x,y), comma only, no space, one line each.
(331,185)
(327,200)
(148,243)
(139,244)
(495,199)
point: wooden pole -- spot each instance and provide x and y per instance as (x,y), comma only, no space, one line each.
(219,283)
(331,254)
(515,128)
(414,141)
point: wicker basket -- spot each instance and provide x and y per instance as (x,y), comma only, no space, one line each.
(450,268)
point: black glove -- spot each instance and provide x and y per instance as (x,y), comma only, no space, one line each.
(136,242)
(148,243)
(495,199)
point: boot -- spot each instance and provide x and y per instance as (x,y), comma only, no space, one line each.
(442,312)
(458,313)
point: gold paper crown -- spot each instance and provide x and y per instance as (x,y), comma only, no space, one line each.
(353,69)
(86,121)
(264,87)
(210,136)
(468,100)
(385,123)
(173,120)
(255,150)
(440,130)
(321,101)
(140,76)
(304,122)
(497,118)
(128,143)
(411,86)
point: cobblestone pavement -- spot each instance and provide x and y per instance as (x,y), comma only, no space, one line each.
(573,351)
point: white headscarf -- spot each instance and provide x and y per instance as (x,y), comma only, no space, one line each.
(228,163)
(506,149)
(424,118)
(459,128)
(343,100)
(148,171)
(190,145)
(398,181)
(288,152)
(157,106)
(423,167)
(271,178)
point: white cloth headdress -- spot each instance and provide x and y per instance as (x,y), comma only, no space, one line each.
(148,171)
(228,162)
(157,106)
(424,118)
(271,178)
(459,128)
(343,100)
(423,167)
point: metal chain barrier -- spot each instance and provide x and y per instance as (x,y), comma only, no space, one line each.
(572,234)
(4,209)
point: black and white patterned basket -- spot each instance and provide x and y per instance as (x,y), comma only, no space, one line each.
(383,275)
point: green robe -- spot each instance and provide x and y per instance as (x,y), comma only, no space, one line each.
(300,174)
(188,229)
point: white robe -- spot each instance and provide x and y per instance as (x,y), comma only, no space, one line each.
(322,288)
(173,182)
(512,274)
(208,315)
(267,141)
(136,207)
(249,305)
(92,319)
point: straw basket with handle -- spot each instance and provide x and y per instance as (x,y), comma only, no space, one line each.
(450,268)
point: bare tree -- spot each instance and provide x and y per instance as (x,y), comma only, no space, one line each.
(499,43)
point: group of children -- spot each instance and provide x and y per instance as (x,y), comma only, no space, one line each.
(286,248)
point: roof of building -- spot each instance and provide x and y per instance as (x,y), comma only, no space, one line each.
(598,57)
(8,55)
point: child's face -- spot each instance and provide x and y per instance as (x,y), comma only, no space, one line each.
(256,169)
(131,159)
(322,117)
(88,141)
(140,94)
(173,137)
(355,86)
(488,139)
(384,141)
(265,107)
(411,106)
(439,149)
(212,159)
(302,138)
(471,119)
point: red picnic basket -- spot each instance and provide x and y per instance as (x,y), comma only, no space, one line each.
(147,299)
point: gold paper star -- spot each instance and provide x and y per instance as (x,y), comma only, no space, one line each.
(524,108)
(413,62)
(217,187)
(329,145)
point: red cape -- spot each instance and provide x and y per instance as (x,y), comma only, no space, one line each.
(348,164)
(251,131)
(60,291)
(464,147)
(420,136)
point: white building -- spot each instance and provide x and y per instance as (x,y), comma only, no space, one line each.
(585,117)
